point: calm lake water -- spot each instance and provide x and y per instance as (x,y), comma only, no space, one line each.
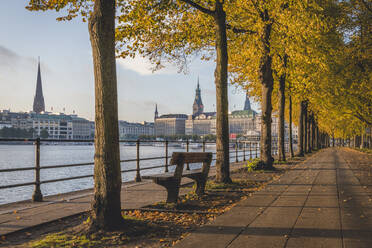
(17,156)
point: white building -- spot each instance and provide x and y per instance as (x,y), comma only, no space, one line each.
(58,125)
(133,130)
(82,128)
(171,124)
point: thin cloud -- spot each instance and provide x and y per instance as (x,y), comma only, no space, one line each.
(11,62)
(143,66)
(8,58)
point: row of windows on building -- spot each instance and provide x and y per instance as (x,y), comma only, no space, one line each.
(57,126)
(169,125)
(61,126)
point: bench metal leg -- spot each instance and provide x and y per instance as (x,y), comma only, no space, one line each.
(200,182)
(172,187)
(200,186)
(173,192)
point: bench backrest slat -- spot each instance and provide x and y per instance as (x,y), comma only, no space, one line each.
(191,157)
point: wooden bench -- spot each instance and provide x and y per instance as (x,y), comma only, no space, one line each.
(172,180)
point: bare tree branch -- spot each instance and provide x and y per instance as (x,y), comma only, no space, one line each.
(240,30)
(199,7)
(361,118)
(260,13)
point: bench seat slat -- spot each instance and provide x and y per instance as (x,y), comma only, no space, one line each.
(167,174)
(190,157)
(192,172)
(185,173)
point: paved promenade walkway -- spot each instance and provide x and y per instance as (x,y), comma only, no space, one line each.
(23,215)
(325,202)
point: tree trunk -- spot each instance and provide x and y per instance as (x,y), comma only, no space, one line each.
(301,130)
(281,140)
(313,133)
(267,81)
(309,133)
(290,128)
(222,120)
(362,141)
(106,207)
(328,141)
(315,146)
(305,128)
(317,136)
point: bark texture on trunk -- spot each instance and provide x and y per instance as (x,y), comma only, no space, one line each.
(106,205)
(290,128)
(313,146)
(281,130)
(267,81)
(362,141)
(309,133)
(222,121)
(301,130)
(305,128)
(317,136)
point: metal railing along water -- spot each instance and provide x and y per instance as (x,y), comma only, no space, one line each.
(239,149)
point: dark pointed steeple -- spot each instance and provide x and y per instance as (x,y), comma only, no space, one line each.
(247,104)
(156,112)
(39,105)
(197,107)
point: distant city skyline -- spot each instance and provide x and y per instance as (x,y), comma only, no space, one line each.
(67,71)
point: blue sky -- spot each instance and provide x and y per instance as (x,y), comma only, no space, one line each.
(67,71)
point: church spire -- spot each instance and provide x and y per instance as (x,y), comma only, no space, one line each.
(197,107)
(156,112)
(247,104)
(39,105)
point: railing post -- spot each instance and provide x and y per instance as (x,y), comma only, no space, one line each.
(187,150)
(236,151)
(138,175)
(256,150)
(203,145)
(37,196)
(244,151)
(250,151)
(166,156)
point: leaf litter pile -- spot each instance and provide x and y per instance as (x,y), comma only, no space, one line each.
(157,225)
